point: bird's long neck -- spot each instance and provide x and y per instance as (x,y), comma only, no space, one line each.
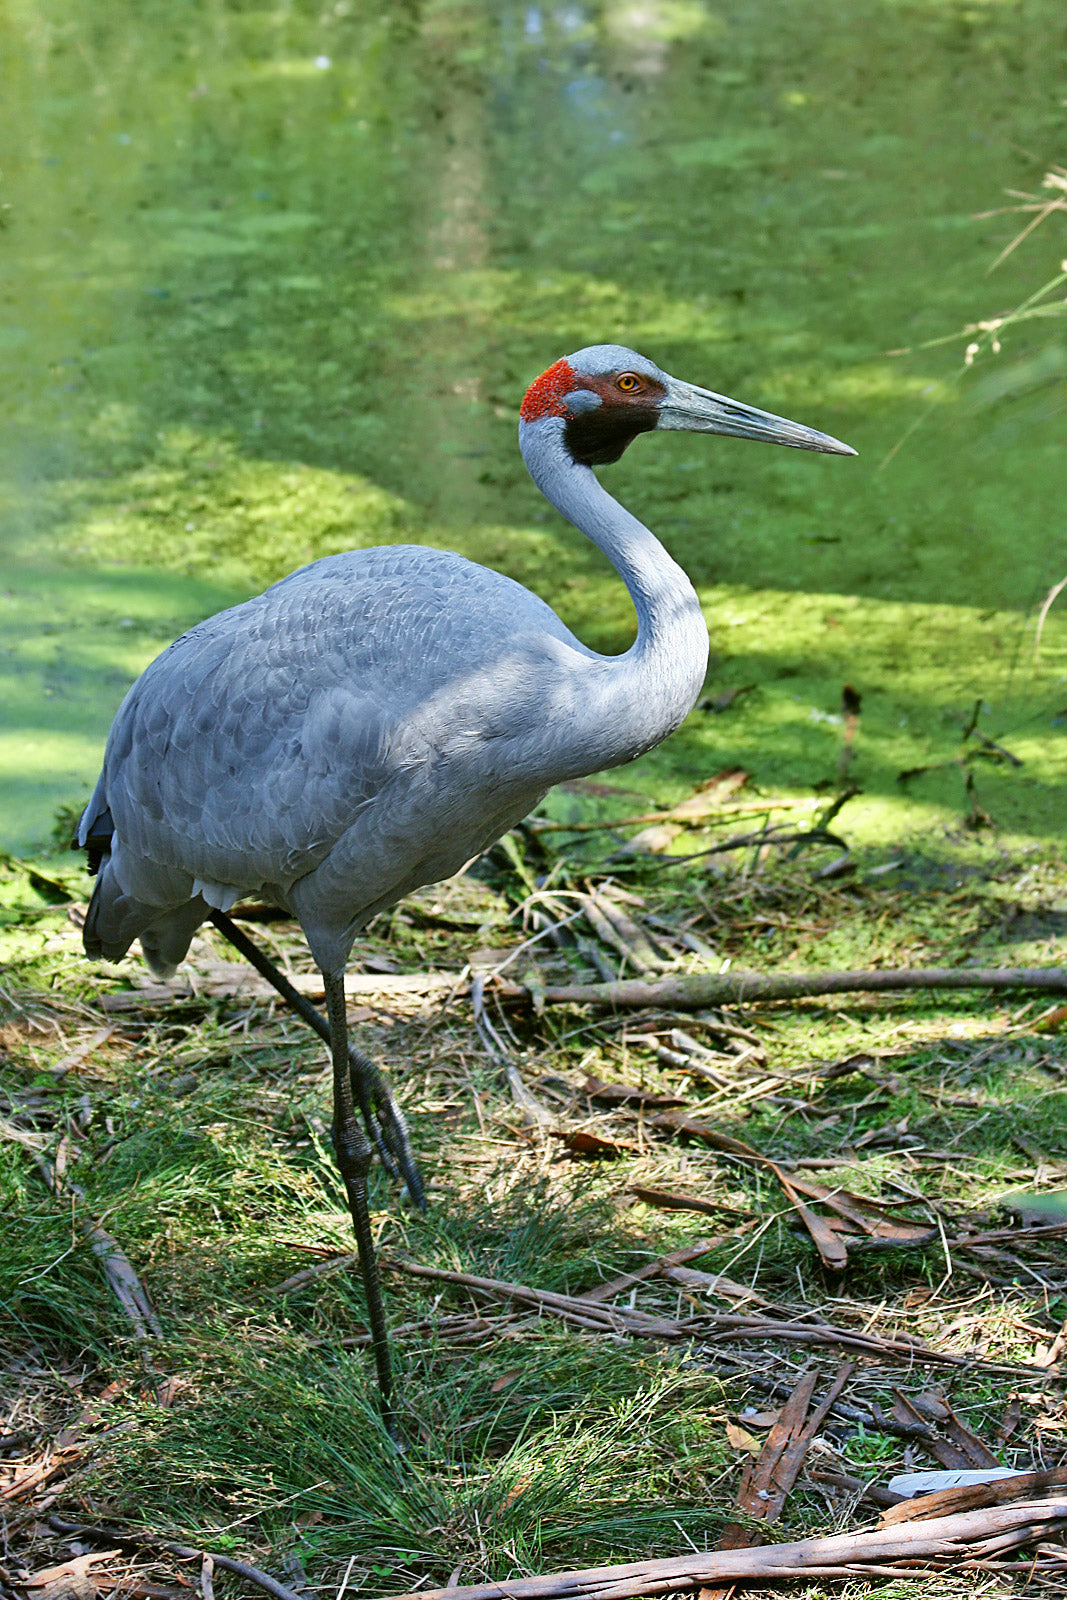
(628,702)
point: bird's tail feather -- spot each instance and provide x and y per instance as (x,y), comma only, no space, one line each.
(114,920)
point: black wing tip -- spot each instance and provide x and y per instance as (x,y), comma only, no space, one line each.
(97,841)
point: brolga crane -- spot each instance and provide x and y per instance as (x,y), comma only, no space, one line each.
(378,718)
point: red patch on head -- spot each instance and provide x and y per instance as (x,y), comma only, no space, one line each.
(545,396)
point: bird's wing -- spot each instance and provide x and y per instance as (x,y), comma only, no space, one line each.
(252,744)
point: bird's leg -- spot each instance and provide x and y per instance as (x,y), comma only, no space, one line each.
(378,1105)
(353,1152)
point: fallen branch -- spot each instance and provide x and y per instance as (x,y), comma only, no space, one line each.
(114,1262)
(184,1552)
(1016,1235)
(698,989)
(232,980)
(862,1489)
(696,815)
(572,1308)
(816,1333)
(654,1269)
(588,1313)
(908,1549)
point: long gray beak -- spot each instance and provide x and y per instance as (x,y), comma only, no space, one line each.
(690,409)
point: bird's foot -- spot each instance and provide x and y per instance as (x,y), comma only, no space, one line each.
(385,1123)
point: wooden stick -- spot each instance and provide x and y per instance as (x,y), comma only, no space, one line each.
(588,1313)
(115,1264)
(239,982)
(969,1535)
(694,817)
(184,1552)
(693,991)
(573,1308)
(676,1258)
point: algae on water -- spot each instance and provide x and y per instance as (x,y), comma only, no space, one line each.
(275,282)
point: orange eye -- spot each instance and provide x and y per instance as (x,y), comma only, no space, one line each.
(628,381)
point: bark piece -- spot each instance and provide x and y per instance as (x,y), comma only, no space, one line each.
(942,1450)
(623,1094)
(672,1200)
(766,1482)
(584,1142)
(970,1497)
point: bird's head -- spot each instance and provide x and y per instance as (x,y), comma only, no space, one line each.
(606,395)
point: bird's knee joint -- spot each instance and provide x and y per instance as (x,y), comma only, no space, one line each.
(353,1153)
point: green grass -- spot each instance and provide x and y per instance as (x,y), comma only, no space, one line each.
(198,1134)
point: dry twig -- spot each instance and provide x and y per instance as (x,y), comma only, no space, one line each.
(695,990)
(184,1552)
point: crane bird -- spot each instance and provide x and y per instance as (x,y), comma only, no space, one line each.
(378,718)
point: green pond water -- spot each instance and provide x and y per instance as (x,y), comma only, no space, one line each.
(274,281)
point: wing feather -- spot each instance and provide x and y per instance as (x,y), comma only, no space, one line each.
(257,740)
